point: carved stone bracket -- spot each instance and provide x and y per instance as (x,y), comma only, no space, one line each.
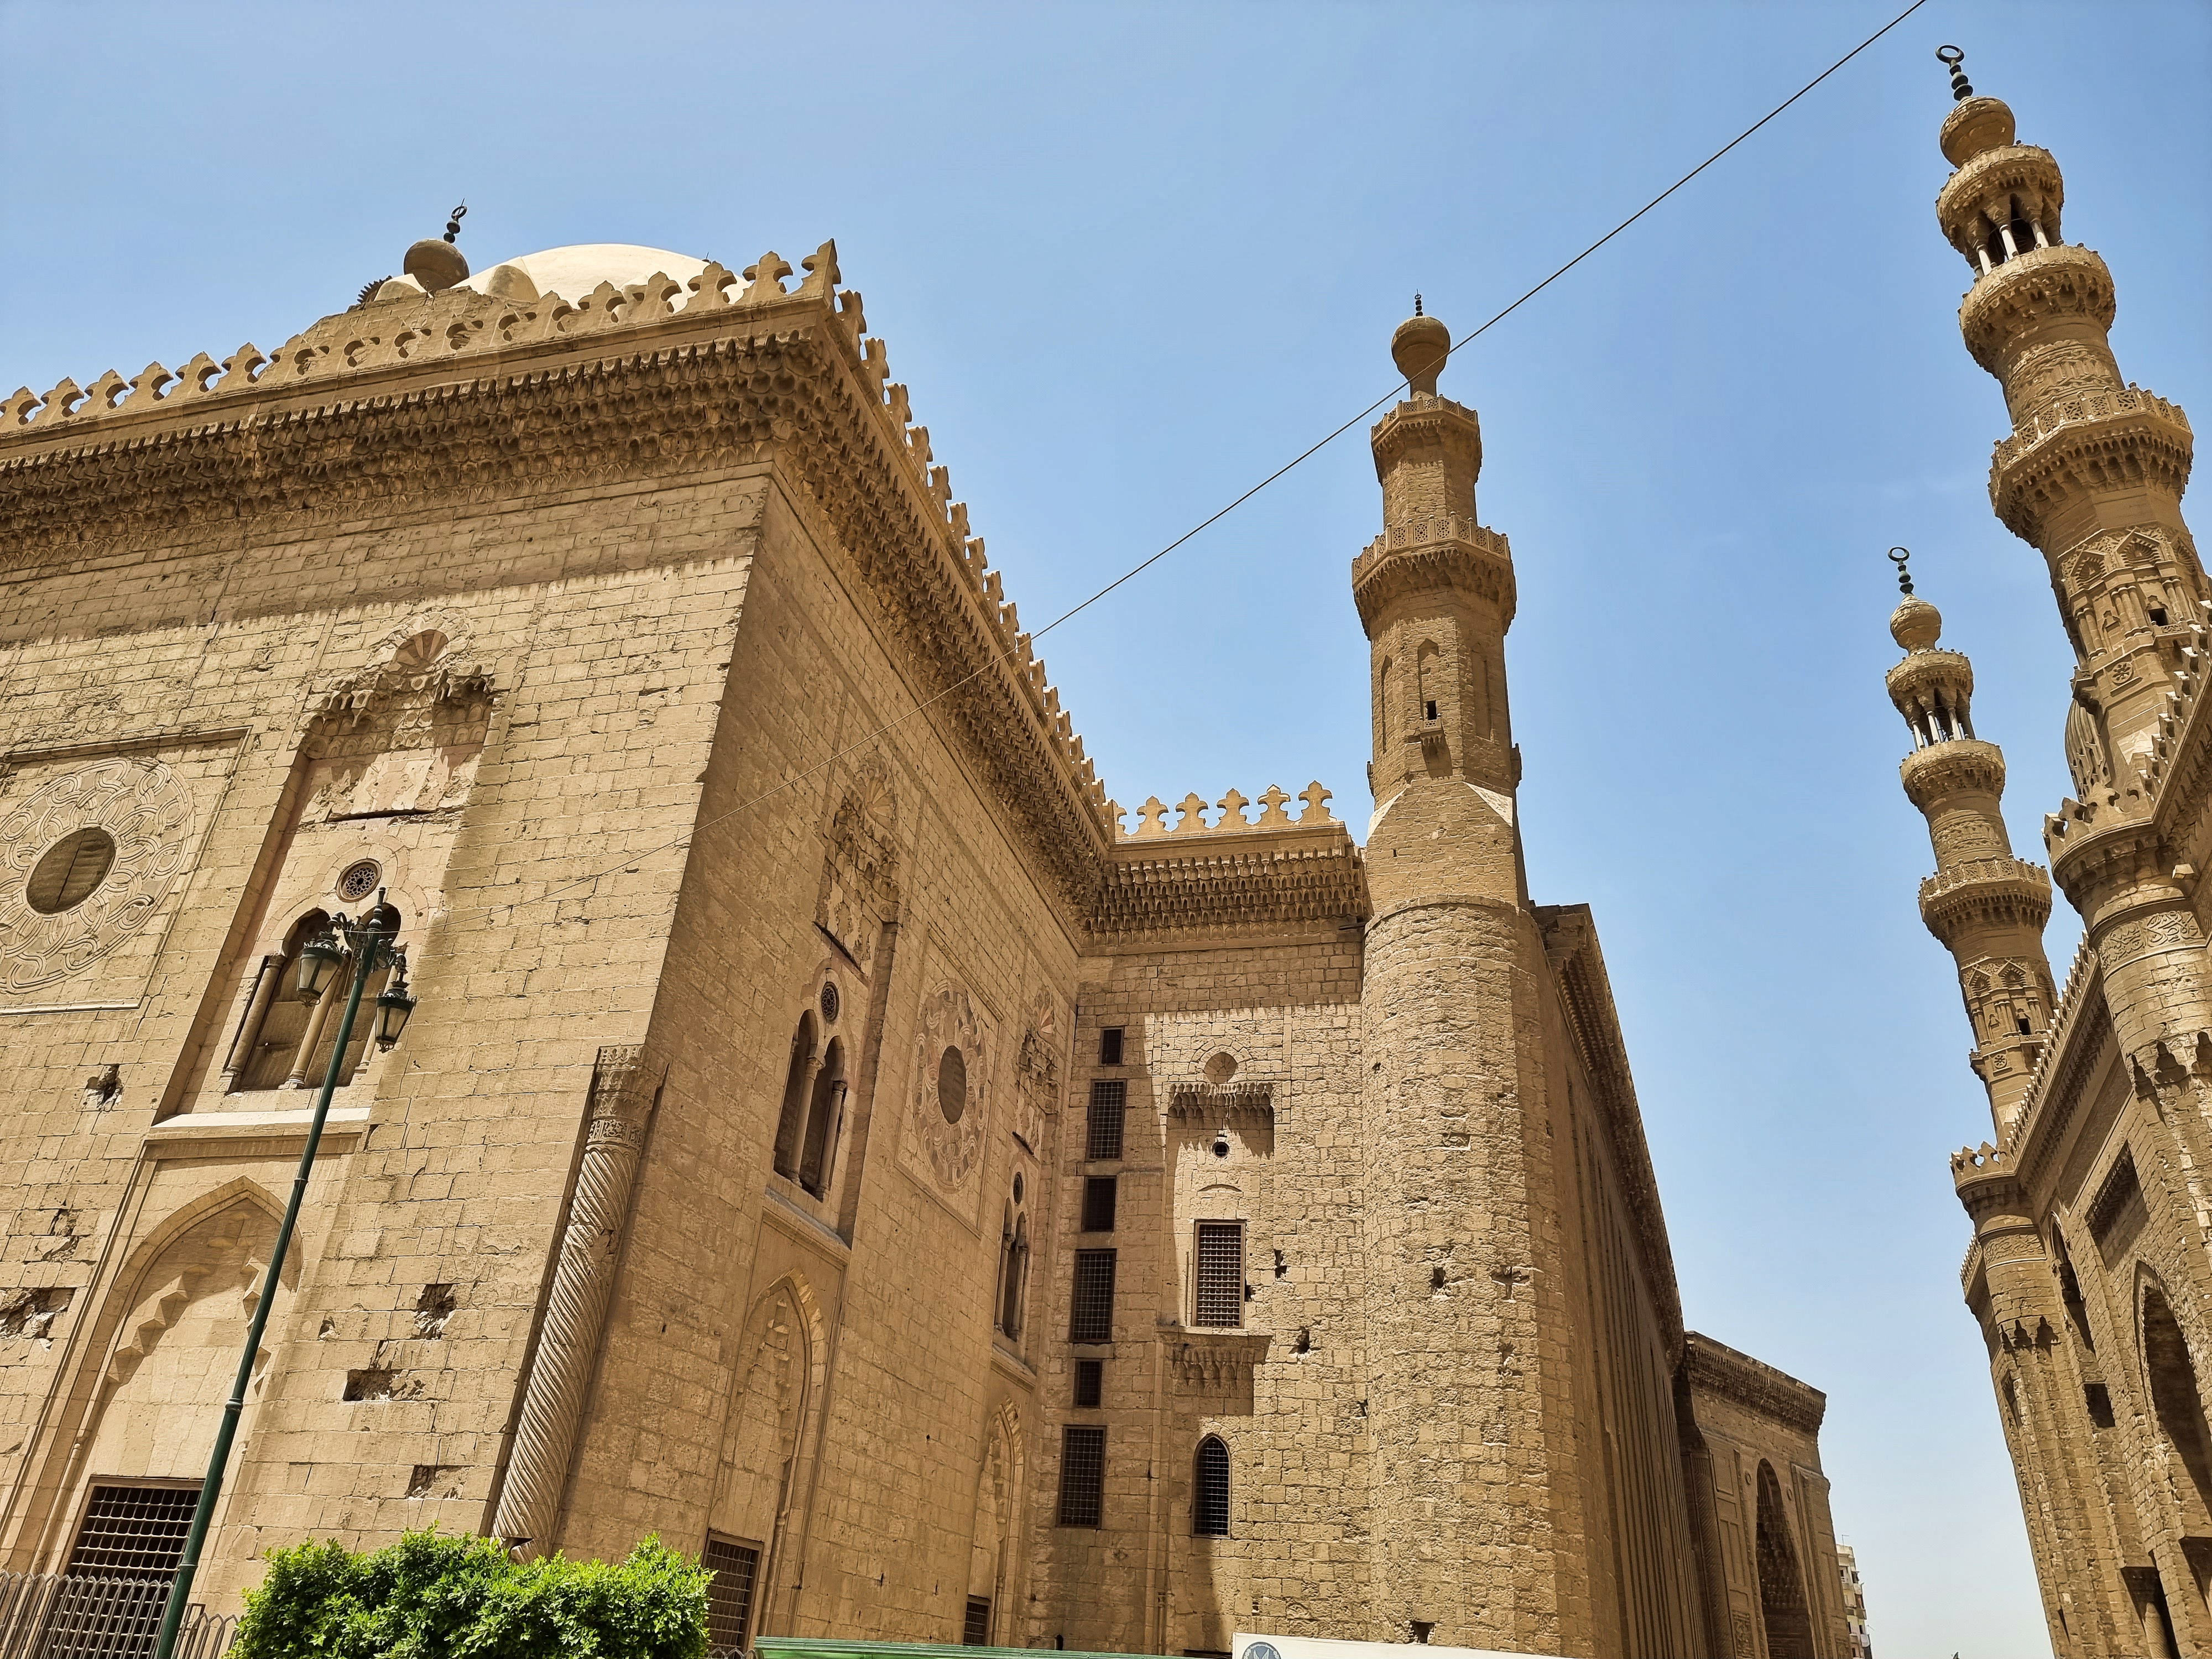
(1215,1364)
(1223,1103)
(553,1394)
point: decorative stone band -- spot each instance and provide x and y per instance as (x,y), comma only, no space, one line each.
(1242,885)
(1928,775)
(1223,1103)
(2000,891)
(2147,443)
(1715,1368)
(1151,818)
(2041,285)
(1445,552)
(553,1394)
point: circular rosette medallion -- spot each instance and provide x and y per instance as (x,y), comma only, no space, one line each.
(86,859)
(946,1106)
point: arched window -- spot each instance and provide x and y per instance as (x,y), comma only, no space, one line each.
(1015,1278)
(284,1042)
(2180,1406)
(826,1107)
(791,1126)
(1209,1489)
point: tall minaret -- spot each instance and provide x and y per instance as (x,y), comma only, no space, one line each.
(1479,1538)
(2093,469)
(2092,475)
(1987,907)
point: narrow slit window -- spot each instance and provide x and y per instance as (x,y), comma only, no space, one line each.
(1220,1298)
(1209,1491)
(1109,1100)
(1099,1198)
(1090,1317)
(1109,1046)
(1089,1384)
(1082,1475)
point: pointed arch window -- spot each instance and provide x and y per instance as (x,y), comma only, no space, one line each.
(791,1125)
(285,1043)
(1209,1489)
(826,1107)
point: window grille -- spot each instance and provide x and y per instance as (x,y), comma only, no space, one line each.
(976,1629)
(730,1591)
(1109,1046)
(1110,1099)
(1091,1316)
(1220,1273)
(1209,1501)
(133,1530)
(1098,1196)
(1089,1382)
(1082,1475)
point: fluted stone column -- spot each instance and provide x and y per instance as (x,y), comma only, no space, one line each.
(576,1309)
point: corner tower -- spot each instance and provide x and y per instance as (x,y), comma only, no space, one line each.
(1986,907)
(1475,1535)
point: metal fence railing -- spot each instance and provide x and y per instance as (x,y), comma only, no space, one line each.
(53,1615)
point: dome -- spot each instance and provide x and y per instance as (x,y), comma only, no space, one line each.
(1916,624)
(572,272)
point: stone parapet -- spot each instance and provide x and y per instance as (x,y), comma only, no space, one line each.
(2010,892)
(2125,438)
(1441,552)
(2032,289)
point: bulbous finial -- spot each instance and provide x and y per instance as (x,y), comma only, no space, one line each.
(1916,624)
(438,263)
(1974,125)
(1420,348)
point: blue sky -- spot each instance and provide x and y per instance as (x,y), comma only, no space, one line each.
(1131,258)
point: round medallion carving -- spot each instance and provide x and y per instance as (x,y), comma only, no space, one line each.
(360,879)
(831,1002)
(86,859)
(951,1071)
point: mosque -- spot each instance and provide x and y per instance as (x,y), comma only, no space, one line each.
(1202,1222)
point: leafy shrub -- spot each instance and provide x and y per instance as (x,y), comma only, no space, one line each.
(436,1595)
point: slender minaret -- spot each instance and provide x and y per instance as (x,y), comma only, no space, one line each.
(2092,475)
(1478,1538)
(1986,907)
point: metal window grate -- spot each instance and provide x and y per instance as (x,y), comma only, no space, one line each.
(1090,1317)
(1209,1500)
(976,1628)
(1099,1197)
(1081,1475)
(1110,1099)
(730,1592)
(1089,1382)
(133,1530)
(1220,1273)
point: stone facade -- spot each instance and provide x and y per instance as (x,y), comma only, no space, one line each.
(2088,1273)
(831,1136)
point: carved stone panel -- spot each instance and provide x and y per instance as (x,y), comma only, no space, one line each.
(949,1103)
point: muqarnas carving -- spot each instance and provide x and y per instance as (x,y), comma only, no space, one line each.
(110,839)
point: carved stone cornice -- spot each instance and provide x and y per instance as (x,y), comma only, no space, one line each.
(2111,856)
(1586,995)
(1427,421)
(1223,1103)
(2120,440)
(1236,882)
(1943,769)
(1216,1361)
(2036,286)
(1931,677)
(623,388)
(1445,554)
(2003,891)
(1714,1368)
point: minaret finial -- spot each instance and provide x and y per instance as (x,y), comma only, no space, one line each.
(453,223)
(1898,557)
(1417,302)
(1955,60)
(438,265)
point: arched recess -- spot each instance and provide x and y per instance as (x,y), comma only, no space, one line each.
(791,1123)
(159,1356)
(769,1439)
(2177,1403)
(992,1578)
(1781,1585)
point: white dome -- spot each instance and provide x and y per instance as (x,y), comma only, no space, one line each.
(572,272)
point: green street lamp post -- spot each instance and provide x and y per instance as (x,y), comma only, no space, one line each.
(369,942)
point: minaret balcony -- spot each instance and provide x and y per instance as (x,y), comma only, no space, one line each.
(2029,291)
(1932,774)
(1986,893)
(1990,187)
(2124,438)
(1443,552)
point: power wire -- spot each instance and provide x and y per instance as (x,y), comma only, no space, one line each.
(1216,517)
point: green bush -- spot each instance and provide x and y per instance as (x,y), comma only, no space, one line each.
(435,1595)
